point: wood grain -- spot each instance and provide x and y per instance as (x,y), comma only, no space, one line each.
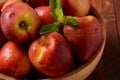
(117,14)
(106,9)
(108,67)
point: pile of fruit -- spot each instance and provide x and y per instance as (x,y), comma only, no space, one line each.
(52,37)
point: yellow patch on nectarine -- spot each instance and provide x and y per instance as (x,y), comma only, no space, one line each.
(39,52)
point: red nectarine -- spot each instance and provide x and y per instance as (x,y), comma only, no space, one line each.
(13,61)
(85,38)
(51,54)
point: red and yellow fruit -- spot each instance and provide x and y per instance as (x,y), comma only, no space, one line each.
(86,38)
(13,61)
(67,32)
(19,22)
(51,54)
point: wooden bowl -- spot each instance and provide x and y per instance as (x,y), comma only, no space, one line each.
(82,72)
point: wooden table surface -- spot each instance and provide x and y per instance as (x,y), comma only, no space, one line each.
(109,66)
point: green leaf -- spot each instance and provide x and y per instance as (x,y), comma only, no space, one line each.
(59,14)
(70,20)
(56,10)
(52,4)
(58,4)
(50,28)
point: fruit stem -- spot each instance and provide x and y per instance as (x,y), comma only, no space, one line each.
(23,25)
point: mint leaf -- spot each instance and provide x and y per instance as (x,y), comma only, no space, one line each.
(70,20)
(56,10)
(59,14)
(59,11)
(52,4)
(50,28)
(58,4)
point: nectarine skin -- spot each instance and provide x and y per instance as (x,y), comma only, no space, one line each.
(13,61)
(44,14)
(19,22)
(1,3)
(8,2)
(51,54)
(85,38)
(76,7)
